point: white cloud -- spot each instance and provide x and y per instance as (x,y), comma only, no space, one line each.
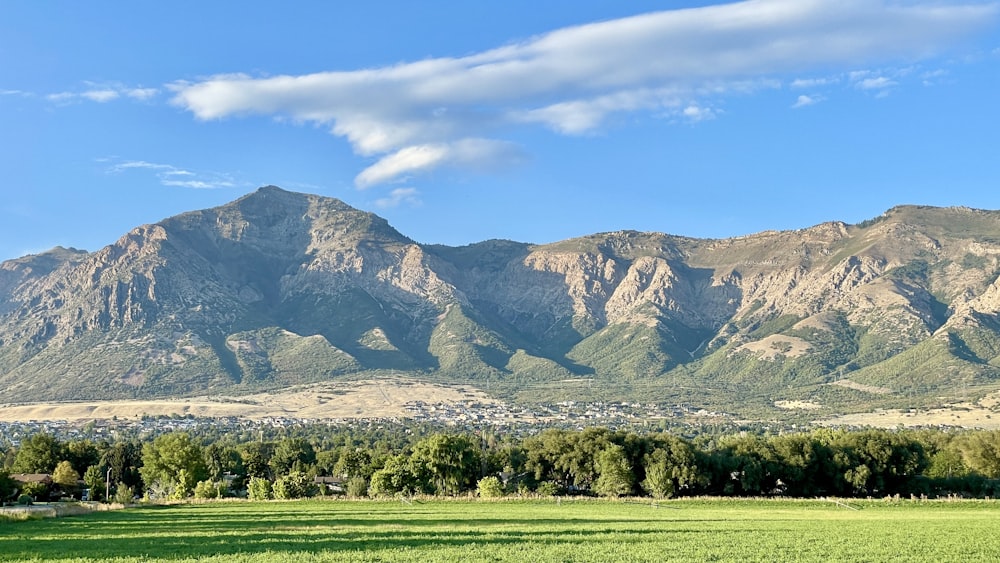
(398,197)
(482,154)
(198,184)
(130,164)
(574,117)
(876,83)
(104,93)
(932,77)
(413,115)
(804,101)
(802,83)
(169,175)
(698,113)
(141,93)
(408,160)
(100,96)
(61,97)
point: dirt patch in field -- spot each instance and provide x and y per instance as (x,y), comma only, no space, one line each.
(381,398)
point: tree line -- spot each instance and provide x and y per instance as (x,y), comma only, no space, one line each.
(592,461)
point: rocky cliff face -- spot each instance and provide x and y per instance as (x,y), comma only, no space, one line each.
(279,288)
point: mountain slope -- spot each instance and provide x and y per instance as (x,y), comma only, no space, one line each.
(278,288)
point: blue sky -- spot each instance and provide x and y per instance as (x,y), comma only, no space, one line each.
(464,121)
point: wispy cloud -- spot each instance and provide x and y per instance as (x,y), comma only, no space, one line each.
(802,83)
(419,116)
(696,113)
(103,93)
(173,176)
(100,96)
(61,97)
(803,101)
(876,83)
(480,154)
(399,196)
(932,77)
(141,93)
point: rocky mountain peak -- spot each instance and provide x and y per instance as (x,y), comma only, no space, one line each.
(280,287)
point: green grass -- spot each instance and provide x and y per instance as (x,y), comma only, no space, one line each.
(572,530)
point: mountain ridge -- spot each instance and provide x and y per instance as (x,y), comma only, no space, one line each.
(279,288)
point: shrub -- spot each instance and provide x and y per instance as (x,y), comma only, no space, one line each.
(294,485)
(356,487)
(490,487)
(548,488)
(35,490)
(209,489)
(124,494)
(25,500)
(259,489)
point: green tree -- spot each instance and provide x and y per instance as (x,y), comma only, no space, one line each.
(615,477)
(326,461)
(672,466)
(257,459)
(397,476)
(452,461)
(93,478)
(294,484)
(40,453)
(172,464)
(582,461)
(544,454)
(7,486)
(124,459)
(873,462)
(81,453)
(804,465)
(259,489)
(65,476)
(353,462)
(292,454)
(222,460)
(748,465)
(658,482)
(981,452)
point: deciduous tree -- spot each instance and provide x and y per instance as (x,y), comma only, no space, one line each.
(616,476)
(65,476)
(40,453)
(173,463)
(292,453)
(452,461)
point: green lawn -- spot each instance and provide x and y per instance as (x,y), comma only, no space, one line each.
(524,531)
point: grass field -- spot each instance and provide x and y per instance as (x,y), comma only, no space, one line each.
(544,530)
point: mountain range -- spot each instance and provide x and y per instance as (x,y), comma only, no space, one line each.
(280,288)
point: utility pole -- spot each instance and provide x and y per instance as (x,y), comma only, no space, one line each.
(107,487)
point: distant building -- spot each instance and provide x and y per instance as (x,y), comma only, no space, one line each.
(330,485)
(43,478)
